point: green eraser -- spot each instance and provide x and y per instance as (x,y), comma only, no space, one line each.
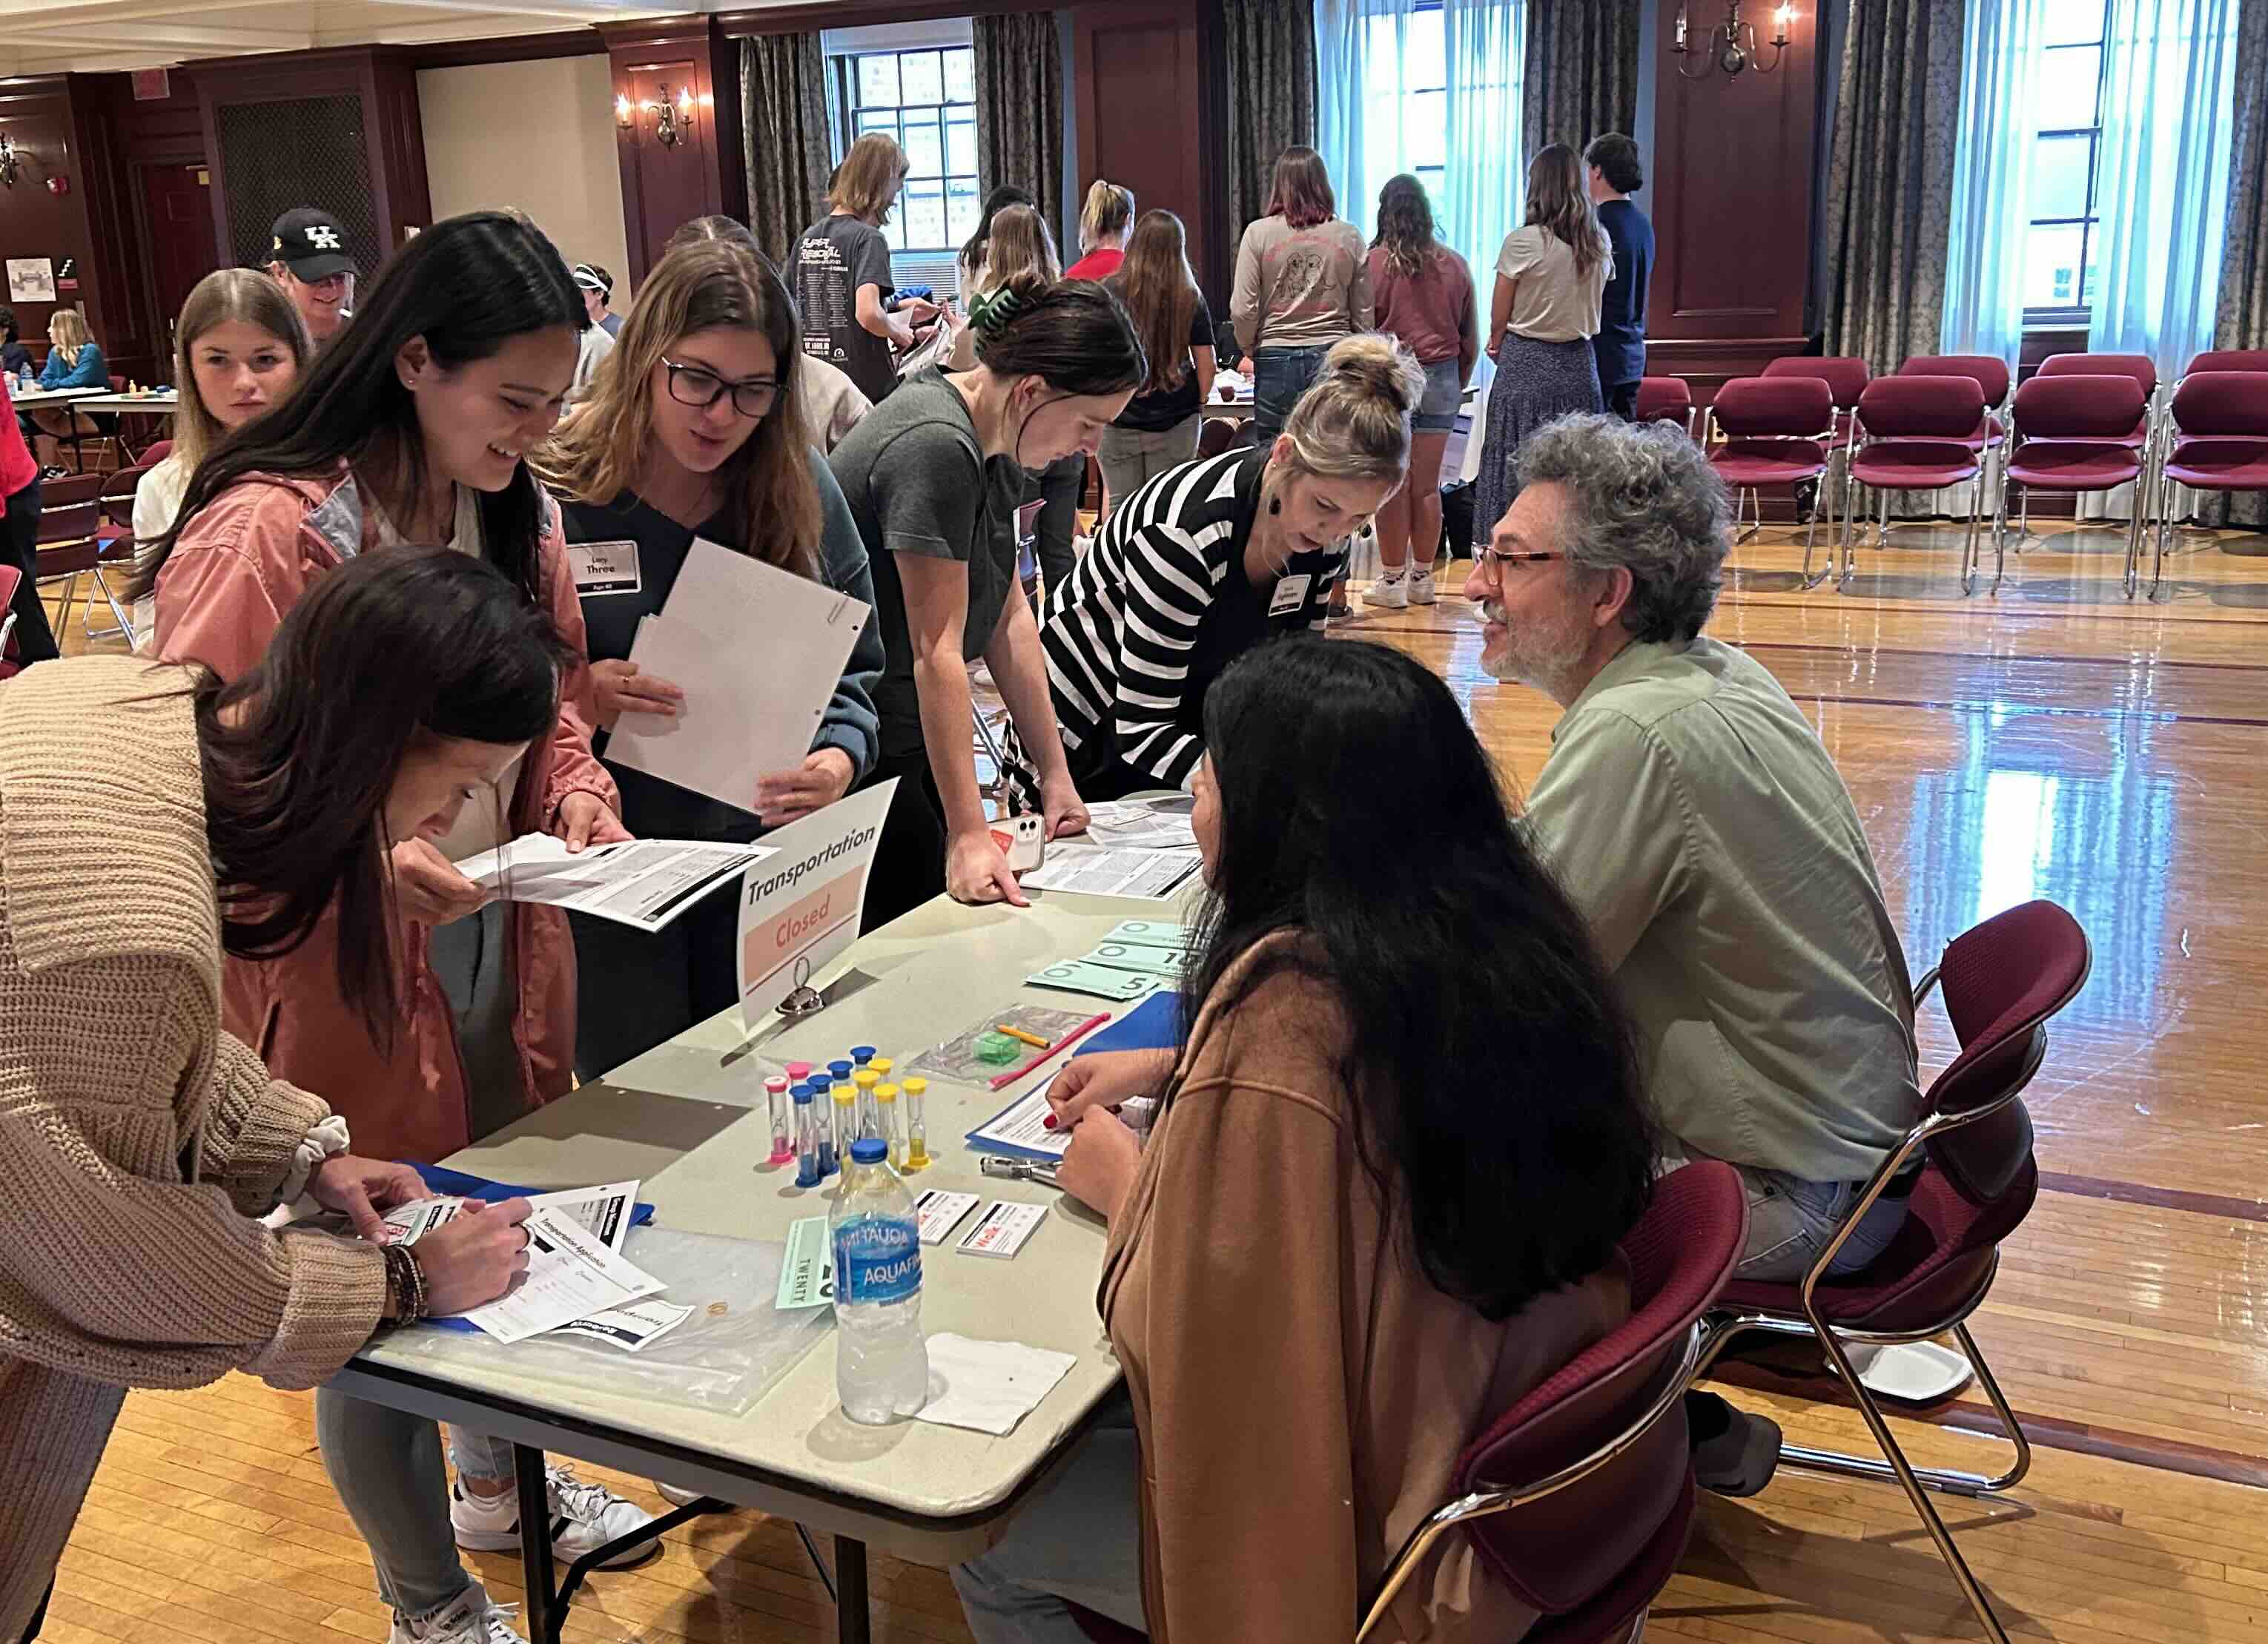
(996,1048)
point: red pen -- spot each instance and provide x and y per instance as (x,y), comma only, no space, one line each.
(1015,1074)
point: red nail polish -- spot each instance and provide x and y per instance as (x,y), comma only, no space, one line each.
(1050,1121)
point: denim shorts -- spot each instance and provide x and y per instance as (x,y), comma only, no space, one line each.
(1445,395)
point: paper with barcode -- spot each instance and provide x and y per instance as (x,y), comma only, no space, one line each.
(571,1274)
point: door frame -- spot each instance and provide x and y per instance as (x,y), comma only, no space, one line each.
(145,246)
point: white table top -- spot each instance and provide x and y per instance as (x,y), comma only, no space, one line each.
(32,399)
(690,1119)
(146,404)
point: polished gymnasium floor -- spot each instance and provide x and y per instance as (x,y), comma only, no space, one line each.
(2053,741)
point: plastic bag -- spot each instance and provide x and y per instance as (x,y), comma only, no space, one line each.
(722,1360)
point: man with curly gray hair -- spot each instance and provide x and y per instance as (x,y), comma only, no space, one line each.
(1694,816)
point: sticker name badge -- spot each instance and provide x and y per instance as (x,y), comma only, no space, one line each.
(1290,594)
(604,567)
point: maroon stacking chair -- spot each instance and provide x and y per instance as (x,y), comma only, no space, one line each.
(1665,400)
(2229,359)
(1846,377)
(1776,434)
(114,538)
(1914,432)
(1993,381)
(2217,440)
(2077,434)
(1580,1496)
(70,543)
(2002,981)
(156,452)
(2142,437)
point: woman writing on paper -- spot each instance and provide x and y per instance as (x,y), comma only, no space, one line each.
(697,430)
(934,477)
(1328,1264)
(140,1138)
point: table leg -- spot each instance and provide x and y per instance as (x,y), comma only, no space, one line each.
(852,1622)
(543,1612)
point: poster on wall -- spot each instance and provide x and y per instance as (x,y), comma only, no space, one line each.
(31,280)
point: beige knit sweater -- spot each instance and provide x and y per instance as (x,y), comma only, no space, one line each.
(136,1139)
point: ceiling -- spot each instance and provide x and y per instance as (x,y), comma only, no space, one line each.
(54,36)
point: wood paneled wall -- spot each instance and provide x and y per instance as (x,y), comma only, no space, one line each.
(704,173)
(1145,120)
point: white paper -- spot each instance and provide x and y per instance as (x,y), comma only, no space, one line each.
(1139,825)
(988,1386)
(800,908)
(605,1210)
(571,1275)
(1003,1231)
(940,1211)
(633,1327)
(1021,1127)
(643,883)
(413,1222)
(758,652)
(31,280)
(1101,871)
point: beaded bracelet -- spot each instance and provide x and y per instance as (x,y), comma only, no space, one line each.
(405,1282)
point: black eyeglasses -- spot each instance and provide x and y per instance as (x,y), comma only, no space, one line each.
(697,386)
(1519,556)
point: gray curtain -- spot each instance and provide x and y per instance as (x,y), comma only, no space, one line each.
(1270,61)
(1581,74)
(1889,180)
(1020,108)
(2243,313)
(783,136)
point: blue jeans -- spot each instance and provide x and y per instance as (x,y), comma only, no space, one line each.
(386,1464)
(1791,1221)
(1279,377)
(1079,1538)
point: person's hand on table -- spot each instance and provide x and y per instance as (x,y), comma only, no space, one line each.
(362,1189)
(428,888)
(474,1257)
(584,819)
(976,871)
(621,688)
(1102,1080)
(1099,1166)
(823,778)
(1061,805)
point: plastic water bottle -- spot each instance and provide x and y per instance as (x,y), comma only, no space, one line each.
(881,1360)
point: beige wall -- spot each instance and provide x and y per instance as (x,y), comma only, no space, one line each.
(539,137)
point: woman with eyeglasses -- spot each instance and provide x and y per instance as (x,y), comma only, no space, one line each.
(696,428)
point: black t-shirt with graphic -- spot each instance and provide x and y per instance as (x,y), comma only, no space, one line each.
(836,256)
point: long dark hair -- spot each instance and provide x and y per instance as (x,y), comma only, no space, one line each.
(1074,334)
(1494,1076)
(468,285)
(396,648)
(1405,226)
(1160,294)
(1003,195)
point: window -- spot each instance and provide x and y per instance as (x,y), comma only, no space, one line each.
(927,99)
(2062,250)
(1406,106)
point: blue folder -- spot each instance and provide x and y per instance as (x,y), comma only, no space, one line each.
(1155,1024)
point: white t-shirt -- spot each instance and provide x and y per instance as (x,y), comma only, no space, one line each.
(157,499)
(1550,301)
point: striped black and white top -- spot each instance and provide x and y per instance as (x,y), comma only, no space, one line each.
(1158,607)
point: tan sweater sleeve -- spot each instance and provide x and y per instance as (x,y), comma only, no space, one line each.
(253,1126)
(1250,1444)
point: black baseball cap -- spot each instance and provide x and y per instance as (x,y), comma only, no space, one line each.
(310,242)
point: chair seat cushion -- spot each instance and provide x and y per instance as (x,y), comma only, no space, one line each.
(1934,1272)
(2221,462)
(1928,464)
(1768,462)
(2075,465)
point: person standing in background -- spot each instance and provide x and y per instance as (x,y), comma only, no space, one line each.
(841,270)
(1158,428)
(1425,296)
(307,255)
(1103,225)
(1620,345)
(1302,282)
(20,537)
(598,288)
(15,358)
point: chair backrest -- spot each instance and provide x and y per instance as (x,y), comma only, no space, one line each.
(1845,376)
(70,488)
(2001,980)
(2222,402)
(72,522)
(2140,367)
(157,452)
(2071,407)
(1558,1551)
(2230,359)
(117,495)
(1774,407)
(1922,408)
(1988,372)
(1663,398)
(117,383)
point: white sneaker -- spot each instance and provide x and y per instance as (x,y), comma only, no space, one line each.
(1421,587)
(471,1618)
(584,1518)
(1388,593)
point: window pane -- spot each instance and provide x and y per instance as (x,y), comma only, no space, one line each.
(2069,79)
(1426,128)
(2051,257)
(2059,176)
(961,210)
(883,120)
(894,230)
(923,205)
(924,150)
(961,76)
(960,148)
(2070,20)
(924,78)
(878,80)
(1425,59)
(2091,286)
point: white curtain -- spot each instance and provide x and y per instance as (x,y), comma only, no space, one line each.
(1999,130)
(2168,111)
(1485,192)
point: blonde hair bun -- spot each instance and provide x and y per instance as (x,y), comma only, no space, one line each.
(1378,367)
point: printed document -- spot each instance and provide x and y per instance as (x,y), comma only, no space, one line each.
(643,883)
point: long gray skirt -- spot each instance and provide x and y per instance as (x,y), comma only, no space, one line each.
(1535,382)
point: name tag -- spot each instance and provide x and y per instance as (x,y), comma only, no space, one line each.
(604,567)
(1290,594)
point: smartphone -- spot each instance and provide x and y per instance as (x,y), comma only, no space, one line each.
(1023,840)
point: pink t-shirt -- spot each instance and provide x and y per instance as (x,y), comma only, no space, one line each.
(1430,311)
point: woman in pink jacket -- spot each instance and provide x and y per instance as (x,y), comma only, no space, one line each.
(411,427)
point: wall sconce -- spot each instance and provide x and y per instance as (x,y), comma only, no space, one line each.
(1731,46)
(673,116)
(12,161)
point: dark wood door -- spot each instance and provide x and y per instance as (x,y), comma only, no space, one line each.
(178,200)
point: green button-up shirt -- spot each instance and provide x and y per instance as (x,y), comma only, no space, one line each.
(1697,821)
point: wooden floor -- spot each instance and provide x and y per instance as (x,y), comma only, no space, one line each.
(2053,739)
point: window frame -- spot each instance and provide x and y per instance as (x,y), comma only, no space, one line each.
(844,108)
(2078,313)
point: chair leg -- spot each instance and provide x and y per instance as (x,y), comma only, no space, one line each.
(125,628)
(1740,499)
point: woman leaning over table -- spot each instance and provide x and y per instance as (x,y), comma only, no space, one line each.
(695,430)
(139,1139)
(1328,1265)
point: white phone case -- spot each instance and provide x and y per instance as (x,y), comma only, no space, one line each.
(1024,840)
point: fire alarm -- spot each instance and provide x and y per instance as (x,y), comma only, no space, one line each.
(58,184)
